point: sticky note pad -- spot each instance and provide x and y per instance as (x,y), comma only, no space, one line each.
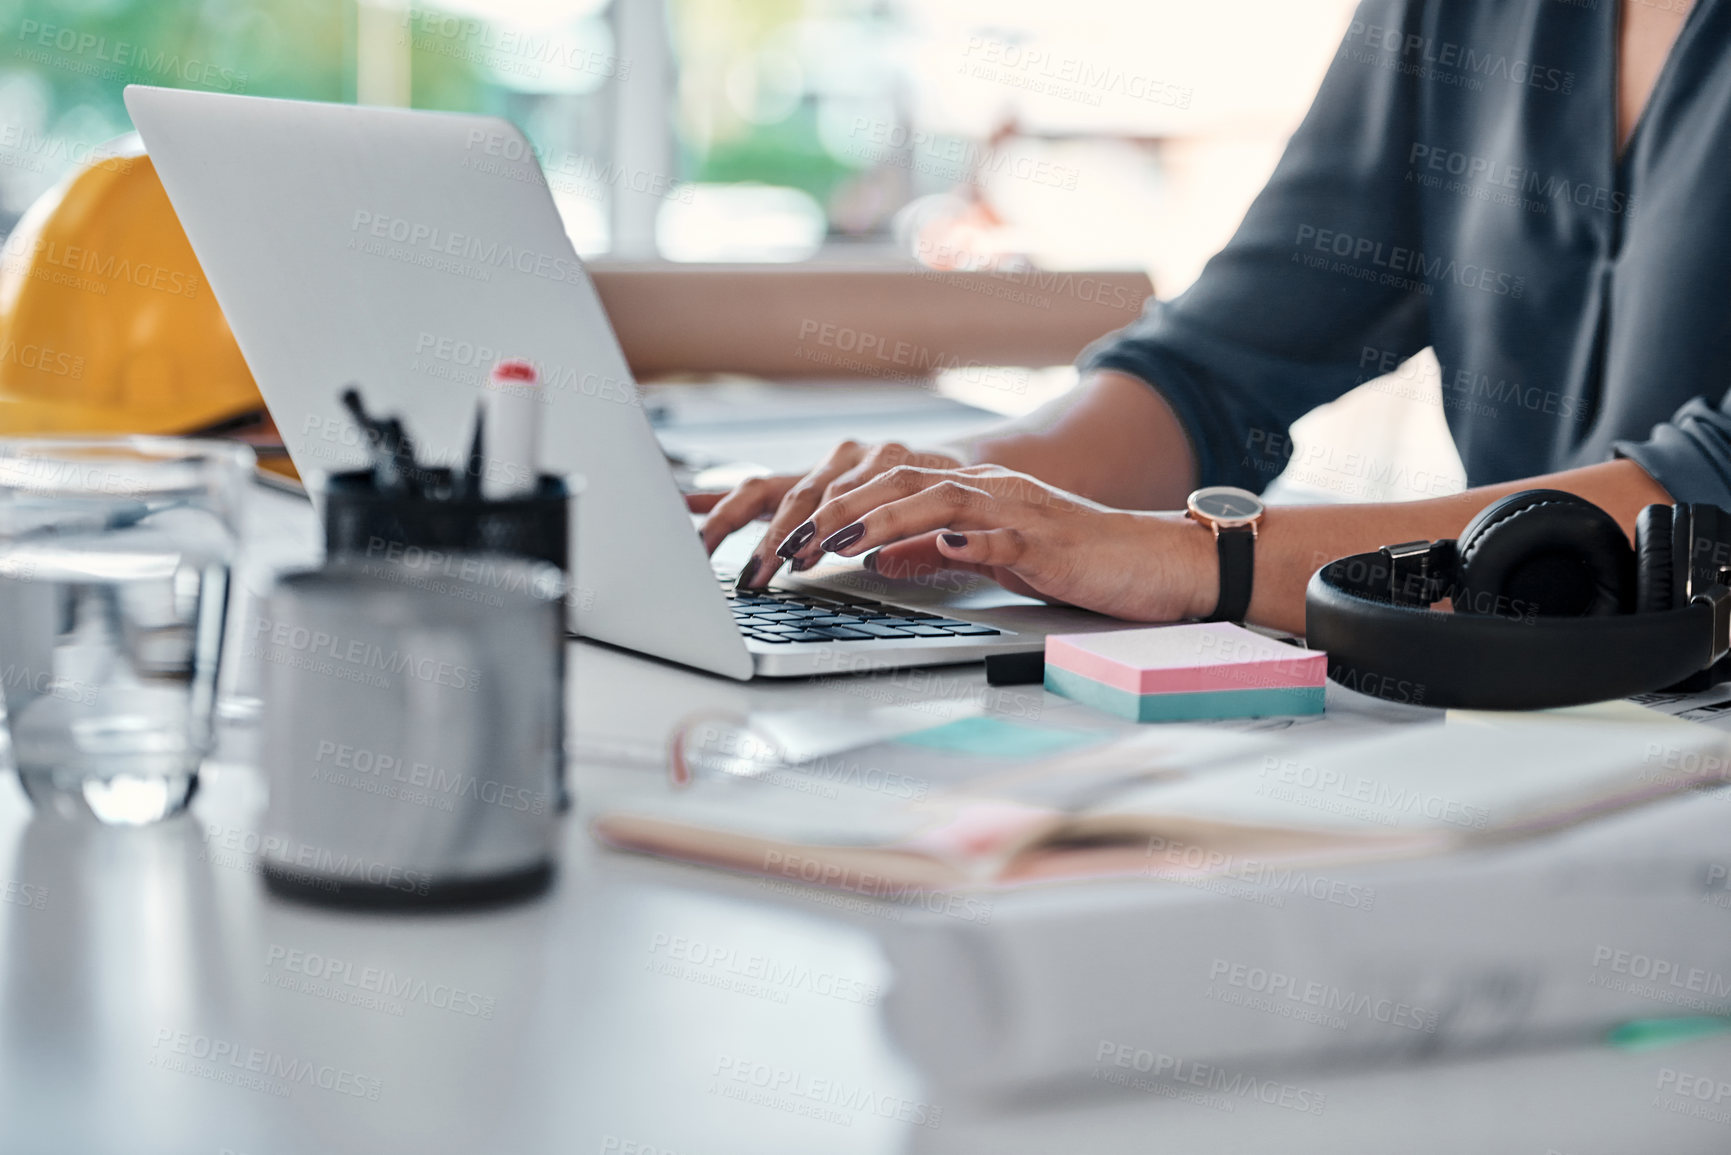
(1186,673)
(994,737)
(1647,1034)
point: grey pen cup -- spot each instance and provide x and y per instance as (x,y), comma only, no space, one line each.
(412,733)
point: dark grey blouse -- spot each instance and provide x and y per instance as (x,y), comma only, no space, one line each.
(1456,184)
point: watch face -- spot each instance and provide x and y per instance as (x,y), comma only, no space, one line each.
(1226,506)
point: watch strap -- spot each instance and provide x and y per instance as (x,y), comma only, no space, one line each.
(1237,549)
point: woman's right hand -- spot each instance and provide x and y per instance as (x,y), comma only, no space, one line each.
(789,500)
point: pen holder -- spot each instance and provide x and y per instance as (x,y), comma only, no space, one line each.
(362,521)
(414,688)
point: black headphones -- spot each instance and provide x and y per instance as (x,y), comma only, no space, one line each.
(1551,607)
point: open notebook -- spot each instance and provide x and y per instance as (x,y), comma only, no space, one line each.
(1183,801)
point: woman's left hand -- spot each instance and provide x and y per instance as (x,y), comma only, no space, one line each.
(1032,537)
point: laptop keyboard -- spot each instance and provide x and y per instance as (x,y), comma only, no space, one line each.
(783,617)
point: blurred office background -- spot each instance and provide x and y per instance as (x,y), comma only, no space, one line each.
(959,134)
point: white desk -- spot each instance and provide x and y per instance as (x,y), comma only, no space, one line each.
(151,949)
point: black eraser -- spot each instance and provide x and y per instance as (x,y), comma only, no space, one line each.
(1027,669)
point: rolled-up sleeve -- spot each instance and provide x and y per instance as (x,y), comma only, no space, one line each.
(1313,292)
(1690,455)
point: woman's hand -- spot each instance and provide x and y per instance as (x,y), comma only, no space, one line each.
(1032,537)
(789,500)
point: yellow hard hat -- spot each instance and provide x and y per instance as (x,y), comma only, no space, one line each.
(106,322)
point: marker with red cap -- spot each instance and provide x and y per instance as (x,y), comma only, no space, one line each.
(512,431)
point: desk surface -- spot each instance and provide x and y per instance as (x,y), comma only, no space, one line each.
(565,1026)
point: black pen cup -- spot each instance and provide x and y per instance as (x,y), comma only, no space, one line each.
(414,699)
(362,521)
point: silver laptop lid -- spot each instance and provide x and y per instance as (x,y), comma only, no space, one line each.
(406,252)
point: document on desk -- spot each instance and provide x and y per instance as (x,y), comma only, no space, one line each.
(1264,966)
(1411,791)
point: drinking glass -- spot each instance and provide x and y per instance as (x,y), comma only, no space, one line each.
(114,575)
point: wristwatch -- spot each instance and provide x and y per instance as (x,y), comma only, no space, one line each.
(1233,514)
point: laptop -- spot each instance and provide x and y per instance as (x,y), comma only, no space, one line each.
(407,252)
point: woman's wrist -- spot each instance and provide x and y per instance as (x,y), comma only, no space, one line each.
(1183,560)
(1202,564)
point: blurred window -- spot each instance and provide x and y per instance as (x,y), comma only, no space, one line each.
(1099,133)
(960,133)
(975,134)
(63,64)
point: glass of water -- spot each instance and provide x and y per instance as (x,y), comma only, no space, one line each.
(114,577)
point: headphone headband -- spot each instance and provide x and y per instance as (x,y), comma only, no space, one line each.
(1404,653)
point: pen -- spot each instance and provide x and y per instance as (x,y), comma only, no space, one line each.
(394,467)
(472,471)
(379,441)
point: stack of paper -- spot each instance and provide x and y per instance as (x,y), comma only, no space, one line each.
(1186,673)
(1406,792)
(1247,961)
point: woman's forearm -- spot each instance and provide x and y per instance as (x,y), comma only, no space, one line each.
(1112,439)
(1116,441)
(1142,565)
(1295,541)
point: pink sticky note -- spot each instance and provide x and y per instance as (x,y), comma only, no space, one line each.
(1186,659)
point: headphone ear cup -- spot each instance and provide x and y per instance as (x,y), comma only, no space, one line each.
(1656,574)
(1547,553)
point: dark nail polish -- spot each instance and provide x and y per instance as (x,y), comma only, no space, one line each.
(800,565)
(870,560)
(746,574)
(842,538)
(956,540)
(797,540)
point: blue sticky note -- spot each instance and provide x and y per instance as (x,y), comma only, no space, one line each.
(1646,1034)
(996,738)
(1196,706)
